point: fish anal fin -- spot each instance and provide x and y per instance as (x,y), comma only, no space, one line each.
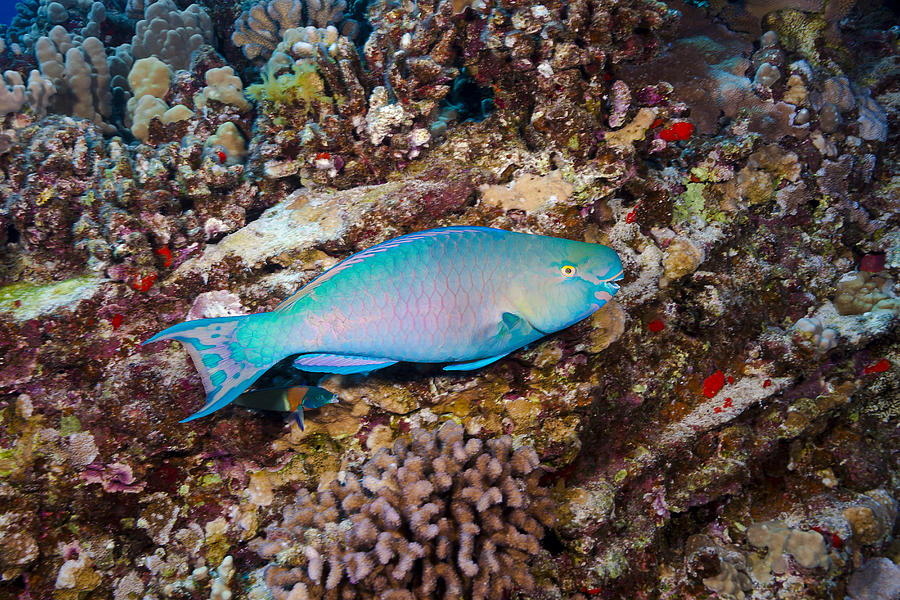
(475,364)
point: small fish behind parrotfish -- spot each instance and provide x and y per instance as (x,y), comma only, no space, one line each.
(461,295)
(292,399)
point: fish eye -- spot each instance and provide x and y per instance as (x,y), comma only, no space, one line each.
(568,270)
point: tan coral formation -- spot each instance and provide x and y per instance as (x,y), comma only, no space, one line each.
(861,292)
(529,192)
(437,512)
(806,547)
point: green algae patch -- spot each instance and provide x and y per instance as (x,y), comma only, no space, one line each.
(693,204)
(69,424)
(29,300)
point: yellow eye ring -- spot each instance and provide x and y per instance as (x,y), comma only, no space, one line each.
(568,271)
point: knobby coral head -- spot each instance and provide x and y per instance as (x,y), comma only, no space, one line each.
(437,515)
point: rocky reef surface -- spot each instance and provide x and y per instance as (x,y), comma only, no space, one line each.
(726,427)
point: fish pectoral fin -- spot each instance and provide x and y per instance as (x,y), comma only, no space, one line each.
(340,363)
(508,322)
(475,364)
(511,323)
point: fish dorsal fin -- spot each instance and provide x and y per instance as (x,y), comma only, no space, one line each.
(288,303)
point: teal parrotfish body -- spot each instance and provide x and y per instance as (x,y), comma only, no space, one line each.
(461,295)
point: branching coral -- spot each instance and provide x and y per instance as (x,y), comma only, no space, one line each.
(16,93)
(440,514)
(259,30)
(79,72)
(389,103)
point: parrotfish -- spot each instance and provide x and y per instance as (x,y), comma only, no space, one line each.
(292,399)
(467,296)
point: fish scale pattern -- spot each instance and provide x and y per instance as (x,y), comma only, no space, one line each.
(432,297)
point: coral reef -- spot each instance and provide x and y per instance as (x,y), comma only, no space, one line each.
(439,513)
(170,34)
(79,74)
(727,426)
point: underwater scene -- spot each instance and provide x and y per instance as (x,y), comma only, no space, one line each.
(449,299)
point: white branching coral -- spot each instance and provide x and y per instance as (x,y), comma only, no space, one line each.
(439,515)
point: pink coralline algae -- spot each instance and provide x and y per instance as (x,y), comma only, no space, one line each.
(115,477)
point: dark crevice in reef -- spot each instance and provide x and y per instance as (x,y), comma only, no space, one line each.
(471,101)
(12,234)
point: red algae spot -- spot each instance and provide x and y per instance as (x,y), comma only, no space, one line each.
(713,383)
(730,380)
(166,254)
(656,326)
(221,156)
(728,403)
(880,367)
(630,217)
(717,409)
(117,321)
(592,591)
(832,538)
(767,383)
(323,156)
(873,263)
(656,123)
(142,284)
(677,132)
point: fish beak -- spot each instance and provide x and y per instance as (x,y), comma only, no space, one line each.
(610,281)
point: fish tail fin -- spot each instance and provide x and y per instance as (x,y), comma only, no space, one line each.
(219,358)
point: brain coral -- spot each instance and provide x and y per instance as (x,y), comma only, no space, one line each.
(437,516)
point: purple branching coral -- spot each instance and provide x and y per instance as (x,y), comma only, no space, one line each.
(437,516)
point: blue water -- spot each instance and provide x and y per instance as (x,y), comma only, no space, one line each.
(7,10)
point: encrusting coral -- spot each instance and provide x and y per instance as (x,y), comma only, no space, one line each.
(439,515)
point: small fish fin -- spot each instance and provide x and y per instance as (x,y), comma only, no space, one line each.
(211,344)
(341,364)
(267,399)
(475,364)
(298,416)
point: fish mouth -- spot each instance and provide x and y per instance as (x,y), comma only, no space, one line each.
(610,281)
(616,277)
